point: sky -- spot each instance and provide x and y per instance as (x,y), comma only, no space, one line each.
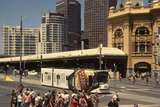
(30,10)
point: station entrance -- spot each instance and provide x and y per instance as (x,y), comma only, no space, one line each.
(142,68)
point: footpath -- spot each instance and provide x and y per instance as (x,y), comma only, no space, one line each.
(30,80)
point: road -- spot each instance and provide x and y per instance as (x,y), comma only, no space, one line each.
(129,94)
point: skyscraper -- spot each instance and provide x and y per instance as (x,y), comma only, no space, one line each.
(1,41)
(15,44)
(72,14)
(52,33)
(95,22)
(112,3)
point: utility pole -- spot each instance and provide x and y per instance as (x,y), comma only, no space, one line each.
(21,49)
(100,56)
(156,50)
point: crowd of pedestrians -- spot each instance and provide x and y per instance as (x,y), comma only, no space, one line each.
(147,76)
(26,97)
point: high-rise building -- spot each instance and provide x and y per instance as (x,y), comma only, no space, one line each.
(112,3)
(52,33)
(1,41)
(95,22)
(72,13)
(150,1)
(15,44)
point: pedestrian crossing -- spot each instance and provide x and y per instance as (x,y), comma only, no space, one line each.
(147,97)
(140,105)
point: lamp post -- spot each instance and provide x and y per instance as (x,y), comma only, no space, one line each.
(115,70)
(156,50)
(100,56)
(41,61)
(21,49)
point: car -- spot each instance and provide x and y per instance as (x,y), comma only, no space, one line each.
(32,72)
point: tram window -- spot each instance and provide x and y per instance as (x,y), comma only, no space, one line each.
(49,77)
(58,76)
(102,77)
(46,72)
(90,80)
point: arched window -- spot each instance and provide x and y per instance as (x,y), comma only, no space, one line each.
(118,39)
(142,31)
(118,33)
(142,43)
(142,67)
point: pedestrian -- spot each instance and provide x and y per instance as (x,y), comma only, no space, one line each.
(52,101)
(156,76)
(95,99)
(120,77)
(38,100)
(73,101)
(59,102)
(157,81)
(66,99)
(27,99)
(82,101)
(113,102)
(147,79)
(117,95)
(45,101)
(135,105)
(90,101)
(19,100)
(13,99)
(19,88)
(134,79)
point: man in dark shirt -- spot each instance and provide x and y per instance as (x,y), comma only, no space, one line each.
(113,102)
(13,99)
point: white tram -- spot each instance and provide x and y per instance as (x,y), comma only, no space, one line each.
(79,79)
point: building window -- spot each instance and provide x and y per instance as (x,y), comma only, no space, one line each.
(118,39)
(142,31)
(142,47)
(118,33)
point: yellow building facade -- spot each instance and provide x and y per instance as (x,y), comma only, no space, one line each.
(135,30)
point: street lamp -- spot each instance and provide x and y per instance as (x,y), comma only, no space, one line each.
(41,61)
(156,50)
(100,56)
(115,70)
(21,49)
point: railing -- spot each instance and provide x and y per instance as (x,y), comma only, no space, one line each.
(148,54)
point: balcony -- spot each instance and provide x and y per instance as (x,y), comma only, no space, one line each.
(142,54)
